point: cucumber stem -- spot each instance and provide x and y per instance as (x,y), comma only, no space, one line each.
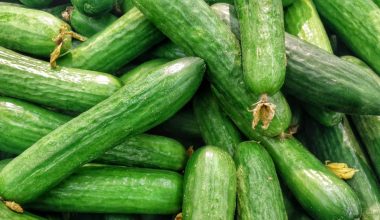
(263,111)
(12,206)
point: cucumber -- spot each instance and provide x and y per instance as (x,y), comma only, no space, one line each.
(115,46)
(144,67)
(216,128)
(88,26)
(368,127)
(93,7)
(133,109)
(258,188)
(22,124)
(293,209)
(113,189)
(322,79)
(63,88)
(322,194)
(33,31)
(209,185)
(228,14)
(357,23)
(36,3)
(168,51)
(205,35)
(338,144)
(263,45)
(302,20)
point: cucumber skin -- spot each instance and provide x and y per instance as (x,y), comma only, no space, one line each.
(209,185)
(258,189)
(263,45)
(322,79)
(113,189)
(88,26)
(115,46)
(86,137)
(36,3)
(140,69)
(63,88)
(93,7)
(322,194)
(358,24)
(216,128)
(302,20)
(168,51)
(338,144)
(222,57)
(33,31)
(228,14)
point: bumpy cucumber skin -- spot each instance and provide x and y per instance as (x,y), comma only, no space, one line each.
(147,151)
(302,20)
(263,45)
(93,7)
(88,26)
(338,144)
(258,189)
(322,194)
(123,40)
(322,79)
(63,88)
(144,67)
(113,189)
(22,124)
(32,31)
(228,14)
(133,109)
(216,128)
(209,185)
(198,30)
(358,24)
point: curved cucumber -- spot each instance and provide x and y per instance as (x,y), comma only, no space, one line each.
(88,26)
(183,22)
(358,24)
(258,188)
(209,185)
(322,194)
(93,7)
(135,108)
(115,46)
(263,45)
(113,189)
(142,68)
(32,31)
(216,128)
(63,88)
(338,144)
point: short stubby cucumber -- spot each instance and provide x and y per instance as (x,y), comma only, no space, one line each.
(135,108)
(32,31)
(209,185)
(63,88)
(258,189)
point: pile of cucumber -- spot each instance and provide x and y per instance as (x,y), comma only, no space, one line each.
(189,109)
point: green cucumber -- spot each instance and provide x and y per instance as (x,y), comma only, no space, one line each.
(293,209)
(22,124)
(34,122)
(324,80)
(338,144)
(144,67)
(357,23)
(168,51)
(115,46)
(36,3)
(113,189)
(63,88)
(33,31)
(216,128)
(135,108)
(263,45)
(193,26)
(302,20)
(209,185)
(88,26)
(258,188)
(322,194)
(93,7)
(356,61)
(228,14)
